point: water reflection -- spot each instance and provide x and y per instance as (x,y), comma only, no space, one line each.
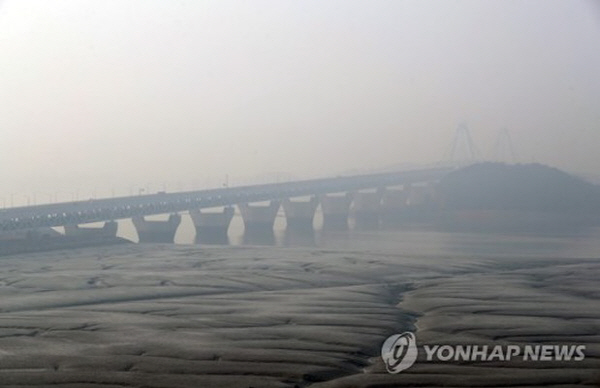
(394,218)
(216,237)
(258,236)
(409,237)
(365,221)
(335,223)
(299,236)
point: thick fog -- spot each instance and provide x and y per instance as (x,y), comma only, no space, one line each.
(101,98)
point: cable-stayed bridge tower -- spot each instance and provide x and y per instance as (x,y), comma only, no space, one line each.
(463,150)
(503,149)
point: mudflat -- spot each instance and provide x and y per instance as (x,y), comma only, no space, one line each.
(155,315)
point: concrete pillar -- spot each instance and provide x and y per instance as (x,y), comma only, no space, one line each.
(109,230)
(258,217)
(367,206)
(417,196)
(393,206)
(212,227)
(157,231)
(335,210)
(300,214)
(420,203)
(30,240)
(299,237)
(259,236)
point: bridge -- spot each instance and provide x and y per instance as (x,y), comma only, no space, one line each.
(299,214)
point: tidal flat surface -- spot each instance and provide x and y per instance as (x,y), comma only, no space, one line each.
(155,315)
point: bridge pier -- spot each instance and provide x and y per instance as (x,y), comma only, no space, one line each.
(255,236)
(335,210)
(299,215)
(293,237)
(156,231)
(367,206)
(393,207)
(259,217)
(108,230)
(420,202)
(212,227)
(258,222)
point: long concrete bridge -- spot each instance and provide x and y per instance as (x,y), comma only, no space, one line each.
(299,214)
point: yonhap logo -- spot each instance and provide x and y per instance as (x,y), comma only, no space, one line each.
(399,352)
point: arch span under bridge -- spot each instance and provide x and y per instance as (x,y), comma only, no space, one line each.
(299,213)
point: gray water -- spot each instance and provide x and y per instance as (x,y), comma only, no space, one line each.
(406,240)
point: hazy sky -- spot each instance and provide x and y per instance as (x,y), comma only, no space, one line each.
(115,95)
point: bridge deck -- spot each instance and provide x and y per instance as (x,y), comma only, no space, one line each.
(98,210)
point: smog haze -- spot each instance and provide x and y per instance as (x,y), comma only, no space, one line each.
(103,98)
